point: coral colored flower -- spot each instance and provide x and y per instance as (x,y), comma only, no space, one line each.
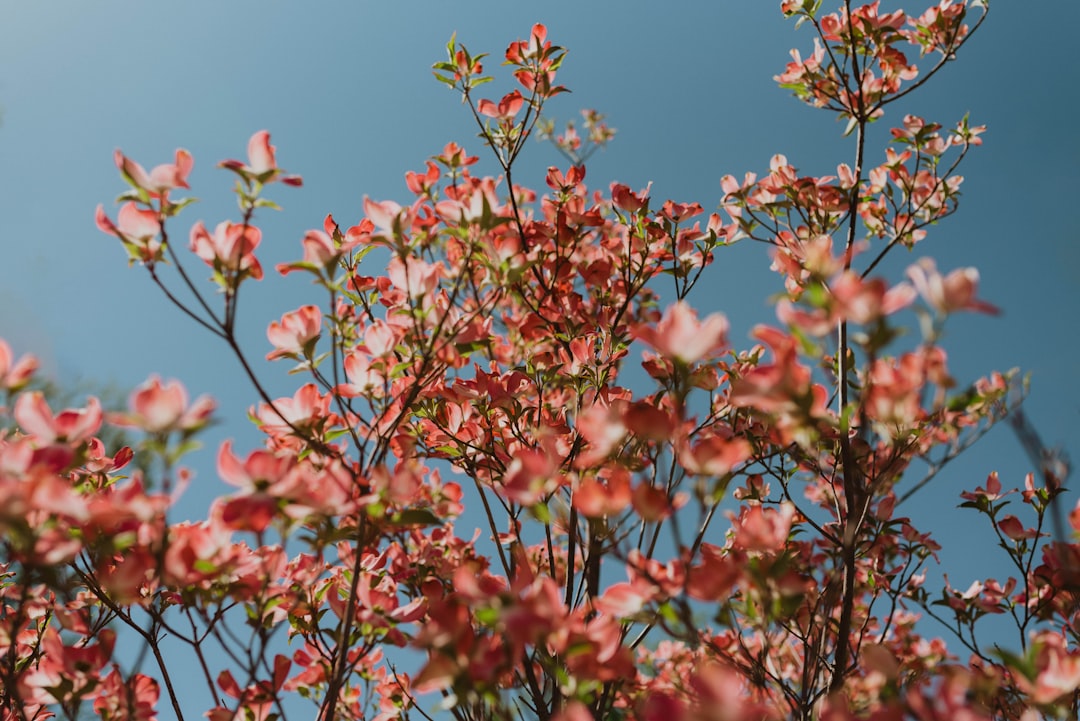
(651,502)
(262,163)
(197,552)
(303,410)
(159,181)
(521,52)
(69,672)
(763,529)
(72,425)
(133,699)
(294,332)
(627,200)
(319,249)
(416,277)
(681,336)
(1055,668)
(594,499)
(15,374)
(783,388)
(136,228)
(531,476)
(894,393)
(601,426)
(623,600)
(230,248)
(574,711)
(991,493)
(714,455)
(716,574)
(157,408)
(363,376)
(262,479)
(950,293)
(506,108)
(1011,526)
(454,156)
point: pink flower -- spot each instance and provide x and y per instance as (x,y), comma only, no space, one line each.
(763,529)
(303,410)
(160,408)
(388,218)
(262,479)
(1012,527)
(197,552)
(262,164)
(133,700)
(680,336)
(951,293)
(991,493)
(627,200)
(714,455)
(319,249)
(521,51)
(623,600)
(159,181)
(294,332)
(363,377)
(15,374)
(506,109)
(138,230)
(531,476)
(594,500)
(71,425)
(230,248)
(417,277)
(1056,670)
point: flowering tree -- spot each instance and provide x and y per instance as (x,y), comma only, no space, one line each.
(723,543)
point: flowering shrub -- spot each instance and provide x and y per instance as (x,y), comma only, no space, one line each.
(724,543)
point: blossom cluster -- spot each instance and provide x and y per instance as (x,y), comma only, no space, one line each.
(722,541)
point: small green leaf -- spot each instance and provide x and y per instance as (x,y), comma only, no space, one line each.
(416,517)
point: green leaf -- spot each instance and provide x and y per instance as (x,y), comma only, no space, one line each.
(178,205)
(416,517)
(541,512)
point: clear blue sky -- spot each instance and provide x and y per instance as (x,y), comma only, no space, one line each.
(345,89)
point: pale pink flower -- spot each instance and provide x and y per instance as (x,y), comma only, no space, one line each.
(416,277)
(14,374)
(291,335)
(229,248)
(158,407)
(763,529)
(136,228)
(71,425)
(950,293)
(505,109)
(262,163)
(159,181)
(681,336)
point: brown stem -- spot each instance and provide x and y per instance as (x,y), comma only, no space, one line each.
(853,491)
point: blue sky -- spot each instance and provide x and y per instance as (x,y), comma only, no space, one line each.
(346,90)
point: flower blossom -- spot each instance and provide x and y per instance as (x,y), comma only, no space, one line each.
(681,336)
(948,294)
(158,407)
(14,374)
(262,164)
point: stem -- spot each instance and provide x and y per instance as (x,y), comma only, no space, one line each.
(852,486)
